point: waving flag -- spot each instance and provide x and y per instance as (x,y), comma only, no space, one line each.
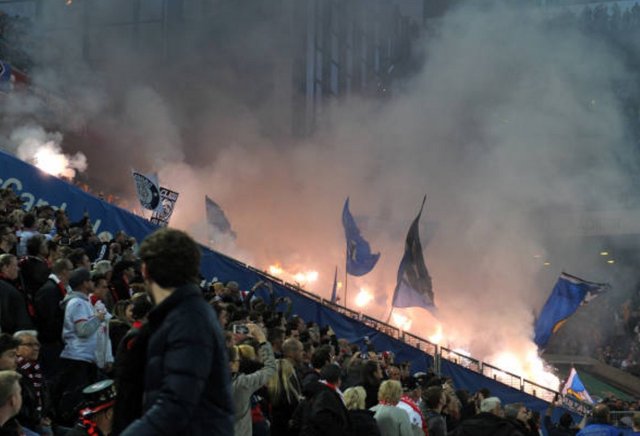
(162,214)
(568,294)
(413,287)
(359,258)
(574,388)
(147,189)
(217,221)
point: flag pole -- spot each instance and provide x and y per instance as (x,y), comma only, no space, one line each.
(346,275)
(390,313)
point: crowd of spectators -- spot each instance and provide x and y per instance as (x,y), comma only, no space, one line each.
(191,357)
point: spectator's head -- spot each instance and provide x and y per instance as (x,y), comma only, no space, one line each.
(371,372)
(601,414)
(80,281)
(484,393)
(10,395)
(9,266)
(276,337)
(140,306)
(29,346)
(412,388)
(104,268)
(292,349)
(390,392)
(100,285)
(321,356)
(566,420)
(393,372)
(28,221)
(247,352)
(120,311)
(8,352)
(37,246)
(170,258)
(491,405)
(355,398)
(331,373)
(434,397)
(61,268)
(79,259)
(99,399)
(8,237)
(125,268)
(516,411)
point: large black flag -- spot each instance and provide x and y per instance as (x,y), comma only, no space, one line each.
(413,288)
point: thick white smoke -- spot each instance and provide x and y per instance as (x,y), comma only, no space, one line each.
(510,122)
(43,150)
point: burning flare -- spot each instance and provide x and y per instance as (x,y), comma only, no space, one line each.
(43,150)
(301,278)
(363,298)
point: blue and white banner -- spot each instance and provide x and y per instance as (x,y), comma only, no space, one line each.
(162,214)
(148,190)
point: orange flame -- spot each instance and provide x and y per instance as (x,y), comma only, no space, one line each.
(302,278)
(363,298)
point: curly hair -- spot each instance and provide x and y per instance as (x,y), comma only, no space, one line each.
(172,258)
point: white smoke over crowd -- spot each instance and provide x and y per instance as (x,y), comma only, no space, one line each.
(43,150)
(509,123)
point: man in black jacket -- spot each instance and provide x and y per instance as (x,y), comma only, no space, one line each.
(187,380)
(489,422)
(13,306)
(50,316)
(327,413)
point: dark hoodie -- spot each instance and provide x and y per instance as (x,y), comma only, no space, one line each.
(486,424)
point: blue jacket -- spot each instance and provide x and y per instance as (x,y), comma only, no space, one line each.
(599,430)
(187,378)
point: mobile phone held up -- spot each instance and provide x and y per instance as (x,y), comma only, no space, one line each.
(241,329)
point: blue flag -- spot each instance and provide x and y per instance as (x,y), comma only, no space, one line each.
(217,221)
(334,292)
(568,294)
(574,388)
(359,258)
(147,189)
(413,288)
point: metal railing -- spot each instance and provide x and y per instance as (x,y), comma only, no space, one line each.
(438,352)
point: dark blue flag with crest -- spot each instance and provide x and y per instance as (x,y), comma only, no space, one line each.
(359,258)
(413,288)
(569,293)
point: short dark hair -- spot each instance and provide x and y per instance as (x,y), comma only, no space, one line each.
(76,256)
(8,342)
(566,420)
(34,244)
(28,220)
(331,373)
(61,265)
(321,356)
(432,396)
(172,258)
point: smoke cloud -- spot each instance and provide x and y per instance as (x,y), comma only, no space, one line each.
(512,128)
